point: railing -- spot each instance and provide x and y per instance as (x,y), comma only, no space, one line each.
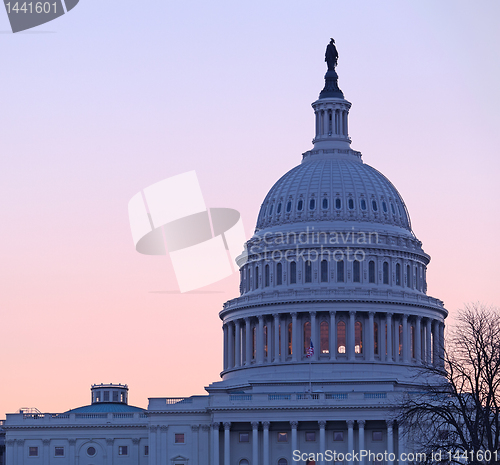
(178,400)
(375,395)
(279,396)
(91,415)
(235,397)
(307,396)
(336,395)
(123,415)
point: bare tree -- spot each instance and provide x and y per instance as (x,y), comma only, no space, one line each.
(457,411)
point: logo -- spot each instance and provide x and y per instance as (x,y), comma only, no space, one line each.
(25,15)
(202,242)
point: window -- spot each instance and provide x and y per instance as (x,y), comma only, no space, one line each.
(256,278)
(375,338)
(358,337)
(412,341)
(270,210)
(398,274)
(59,451)
(106,396)
(266,276)
(312,204)
(362,204)
(384,207)
(308,271)
(254,342)
(340,271)
(33,452)
(115,396)
(386,272)
(400,339)
(371,271)
(265,341)
(338,203)
(408,276)
(122,450)
(289,206)
(249,279)
(350,204)
(417,278)
(244,462)
(323,337)
(307,336)
(324,204)
(377,436)
(146,450)
(279,274)
(341,337)
(282,462)
(392,208)
(244,437)
(300,205)
(338,436)
(374,205)
(356,271)
(278,210)
(290,339)
(179,438)
(293,273)
(282,437)
(91,451)
(324,271)
(310,436)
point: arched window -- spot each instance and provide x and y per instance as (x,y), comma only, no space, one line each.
(300,205)
(282,462)
(408,275)
(307,336)
(356,271)
(265,340)
(254,342)
(341,337)
(358,337)
(308,272)
(392,208)
(371,271)
(324,338)
(256,278)
(266,276)
(350,204)
(362,204)
(271,209)
(244,462)
(289,206)
(386,272)
(325,203)
(324,271)
(338,203)
(375,338)
(241,281)
(279,274)
(340,271)
(412,341)
(400,339)
(278,210)
(374,205)
(312,204)
(249,279)
(398,274)
(384,207)
(289,338)
(417,278)
(293,273)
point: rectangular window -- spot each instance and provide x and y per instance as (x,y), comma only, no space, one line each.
(122,450)
(106,396)
(338,436)
(310,436)
(282,437)
(377,435)
(59,452)
(115,396)
(244,437)
(33,452)
(179,438)
(146,450)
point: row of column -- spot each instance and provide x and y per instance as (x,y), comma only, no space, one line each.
(158,444)
(242,349)
(262,448)
(331,121)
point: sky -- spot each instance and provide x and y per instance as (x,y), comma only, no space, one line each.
(115,96)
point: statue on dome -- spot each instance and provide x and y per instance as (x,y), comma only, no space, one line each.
(331,55)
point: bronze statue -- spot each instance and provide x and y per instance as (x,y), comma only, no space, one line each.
(331,55)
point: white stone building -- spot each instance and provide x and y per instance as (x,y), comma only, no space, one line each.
(333,264)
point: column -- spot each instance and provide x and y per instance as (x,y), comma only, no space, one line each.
(20,451)
(225,349)
(389,337)
(135,450)
(428,342)
(46,458)
(401,445)
(276,337)
(163,444)
(361,441)
(255,443)
(435,343)
(248,340)
(441,344)
(322,441)
(294,425)
(204,441)
(294,337)
(390,442)
(350,439)
(405,341)
(381,332)
(9,452)
(325,122)
(418,340)
(333,336)
(227,443)
(230,360)
(265,425)
(397,355)
(72,444)
(284,346)
(215,443)
(371,337)
(350,341)
(341,122)
(109,451)
(260,341)
(237,344)
(314,336)
(196,440)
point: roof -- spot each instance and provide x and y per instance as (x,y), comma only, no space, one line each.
(106,407)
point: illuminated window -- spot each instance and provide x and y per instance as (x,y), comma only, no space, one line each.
(341,340)
(400,339)
(179,438)
(265,340)
(282,437)
(290,339)
(324,339)
(358,337)
(122,450)
(375,338)
(307,336)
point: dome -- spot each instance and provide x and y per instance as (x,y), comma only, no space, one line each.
(106,407)
(335,187)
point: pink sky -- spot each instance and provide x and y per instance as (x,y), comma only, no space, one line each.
(116,98)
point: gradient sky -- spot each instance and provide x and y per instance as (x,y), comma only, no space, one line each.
(115,96)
